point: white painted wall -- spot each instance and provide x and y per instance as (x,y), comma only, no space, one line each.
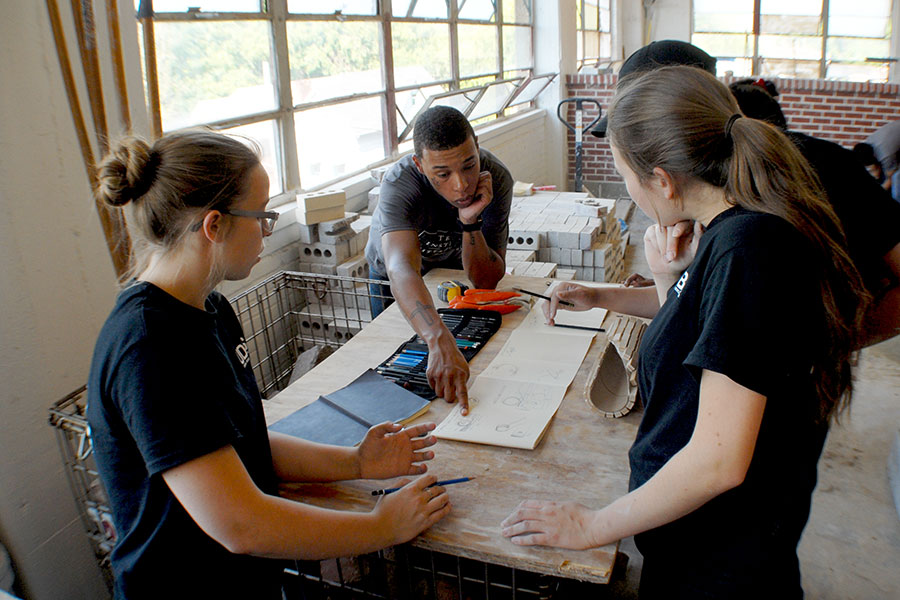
(56,287)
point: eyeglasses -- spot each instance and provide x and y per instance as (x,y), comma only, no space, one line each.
(267,219)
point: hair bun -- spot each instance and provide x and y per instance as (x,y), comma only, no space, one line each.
(127,172)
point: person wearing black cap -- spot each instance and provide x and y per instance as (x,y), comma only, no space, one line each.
(739,379)
(868,214)
(659,54)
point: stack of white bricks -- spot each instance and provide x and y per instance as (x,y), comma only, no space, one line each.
(577,234)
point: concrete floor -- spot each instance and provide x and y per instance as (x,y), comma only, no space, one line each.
(851,546)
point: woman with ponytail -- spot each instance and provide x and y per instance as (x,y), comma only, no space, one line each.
(755,314)
(176,417)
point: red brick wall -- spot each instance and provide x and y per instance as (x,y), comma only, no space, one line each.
(839,111)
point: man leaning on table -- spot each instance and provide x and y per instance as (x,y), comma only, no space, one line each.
(445,206)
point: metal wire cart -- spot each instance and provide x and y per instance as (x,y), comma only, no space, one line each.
(282,317)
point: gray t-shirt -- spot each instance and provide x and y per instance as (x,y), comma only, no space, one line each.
(409,202)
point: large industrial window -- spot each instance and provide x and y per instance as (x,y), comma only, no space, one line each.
(594,38)
(818,39)
(328,88)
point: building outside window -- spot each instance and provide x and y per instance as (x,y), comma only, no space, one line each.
(329,88)
(815,39)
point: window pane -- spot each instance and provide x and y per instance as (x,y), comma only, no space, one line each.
(858,72)
(740,67)
(213,71)
(327,7)
(803,69)
(265,135)
(477,50)
(421,8)
(790,46)
(204,5)
(852,18)
(605,16)
(516,47)
(517,11)
(532,90)
(481,10)
(724,44)
(410,102)
(336,140)
(717,16)
(591,14)
(605,45)
(492,100)
(591,44)
(791,7)
(799,25)
(413,42)
(856,49)
(333,59)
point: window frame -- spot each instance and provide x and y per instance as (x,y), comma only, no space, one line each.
(582,60)
(275,12)
(756,60)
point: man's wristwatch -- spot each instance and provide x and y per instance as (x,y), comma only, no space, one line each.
(470,227)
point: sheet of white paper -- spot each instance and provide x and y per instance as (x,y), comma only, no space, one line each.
(504,413)
(513,400)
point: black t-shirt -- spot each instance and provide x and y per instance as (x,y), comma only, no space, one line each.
(747,307)
(170,383)
(868,214)
(408,201)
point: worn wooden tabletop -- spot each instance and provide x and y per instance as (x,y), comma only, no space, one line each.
(582,457)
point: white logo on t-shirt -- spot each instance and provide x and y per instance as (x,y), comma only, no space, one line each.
(680,285)
(243,353)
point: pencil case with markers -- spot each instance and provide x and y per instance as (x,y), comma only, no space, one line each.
(407,365)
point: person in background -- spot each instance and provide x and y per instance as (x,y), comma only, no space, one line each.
(176,417)
(869,216)
(447,205)
(881,154)
(747,358)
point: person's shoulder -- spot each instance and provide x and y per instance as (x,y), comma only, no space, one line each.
(490,162)
(742,230)
(403,170)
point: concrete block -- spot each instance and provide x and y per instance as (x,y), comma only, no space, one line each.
(554,254)
(602,254)
(569,238)
(521,268)
(588,236)
(323,269)
(325,253)
(543,255)
(565,274)
(309,234)
(314,324)
(335,237)
(523,240)
(355,267)
(338,224)
(521,255)
(314,201)
(317,216)
(587,258)
(373,197)
(544,270)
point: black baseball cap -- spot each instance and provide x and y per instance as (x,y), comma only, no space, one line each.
(659,54)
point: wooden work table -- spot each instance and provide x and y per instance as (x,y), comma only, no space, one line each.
(582,457)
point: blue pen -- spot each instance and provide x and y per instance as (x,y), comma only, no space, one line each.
(445,482)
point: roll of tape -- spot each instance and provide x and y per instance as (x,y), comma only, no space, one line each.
(448,290)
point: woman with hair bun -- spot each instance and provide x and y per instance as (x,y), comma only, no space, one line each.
(175,413)
(755,315)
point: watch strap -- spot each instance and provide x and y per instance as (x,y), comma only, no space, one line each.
(470,227)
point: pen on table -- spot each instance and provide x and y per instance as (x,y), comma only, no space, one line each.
(585,328)
(536,295)
(445,482)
